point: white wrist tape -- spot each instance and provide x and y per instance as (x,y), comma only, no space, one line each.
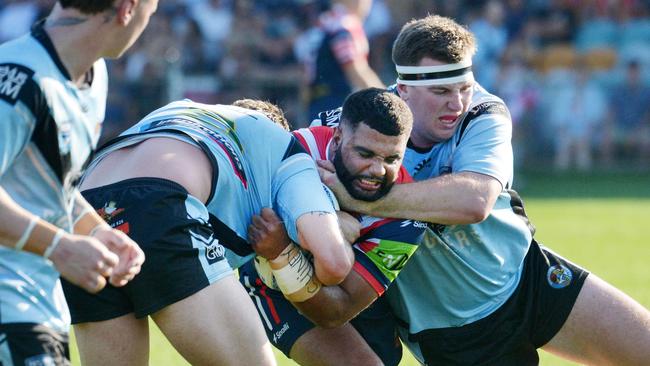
(28,231)
(97,227)
(295,275)
(55,243)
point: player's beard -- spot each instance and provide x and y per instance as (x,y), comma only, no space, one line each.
(347,179)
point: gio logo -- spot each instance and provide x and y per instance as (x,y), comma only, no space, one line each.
(214,252)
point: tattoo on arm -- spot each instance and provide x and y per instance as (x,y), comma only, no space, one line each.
(320,213)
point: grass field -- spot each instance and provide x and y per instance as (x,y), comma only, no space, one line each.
(597,221)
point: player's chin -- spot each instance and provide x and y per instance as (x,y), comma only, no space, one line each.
(367,195)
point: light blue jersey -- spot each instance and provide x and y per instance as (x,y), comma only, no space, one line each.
(259,164)
(463,273)
(48,130)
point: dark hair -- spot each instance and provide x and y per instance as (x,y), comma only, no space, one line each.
(88,6)
(380,109)
(436,37)
(270,110)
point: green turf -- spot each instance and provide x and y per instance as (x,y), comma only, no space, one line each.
(597,221)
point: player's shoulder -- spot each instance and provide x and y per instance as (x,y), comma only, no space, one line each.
(18,64)
(315,140)
(483,107)
(486,104)
(403,176)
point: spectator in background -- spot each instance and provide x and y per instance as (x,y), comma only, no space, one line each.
(215,18)
(629,122)
(518,85)
(16,17)
(492,35)
(578,109)
(378,27)
(341,60)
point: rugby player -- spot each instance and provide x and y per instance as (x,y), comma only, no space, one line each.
(184,182)
(481,290)
(309,324)
(53,86)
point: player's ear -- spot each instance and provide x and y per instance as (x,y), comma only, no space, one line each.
(337,137)
(402,91)
(126,11)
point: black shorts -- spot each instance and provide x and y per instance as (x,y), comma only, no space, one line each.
(511,335)
(183,253)
(32,344)
(284,324)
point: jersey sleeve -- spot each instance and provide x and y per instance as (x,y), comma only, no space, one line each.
(485,148)
(382,252)
(297,189)
(18,97)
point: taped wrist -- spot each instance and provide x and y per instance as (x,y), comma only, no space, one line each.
(294,274)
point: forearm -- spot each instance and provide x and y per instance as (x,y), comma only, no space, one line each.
(330,308)
(453,199)
(22,230)
(361,75)
(333,257)
(86,219)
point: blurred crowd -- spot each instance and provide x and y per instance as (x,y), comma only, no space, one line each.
(574,73)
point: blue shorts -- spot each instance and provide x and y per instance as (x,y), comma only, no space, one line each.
(183,253)
(284,324)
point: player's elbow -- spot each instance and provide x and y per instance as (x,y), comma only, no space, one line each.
(334,271)
(477,213)
(332,318)
(331,323)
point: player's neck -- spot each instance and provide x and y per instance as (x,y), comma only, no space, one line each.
(74,38)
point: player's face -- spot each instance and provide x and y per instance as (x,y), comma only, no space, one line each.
(140,18)
(435,108)
(366,161)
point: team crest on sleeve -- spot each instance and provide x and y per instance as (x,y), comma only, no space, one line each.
(559,276)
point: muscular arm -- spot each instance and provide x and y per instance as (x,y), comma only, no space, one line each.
(330,306)
(451,199)
(360,75)
(334,306)
(319,233)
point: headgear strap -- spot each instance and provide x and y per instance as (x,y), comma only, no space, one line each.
(435,75)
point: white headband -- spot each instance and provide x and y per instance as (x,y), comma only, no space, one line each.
(435,75)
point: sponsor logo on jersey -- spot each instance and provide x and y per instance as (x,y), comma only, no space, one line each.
(559,276)
(393,262)
(214,252)
(329,118)
(277,335)
(12,79)
(415,223)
